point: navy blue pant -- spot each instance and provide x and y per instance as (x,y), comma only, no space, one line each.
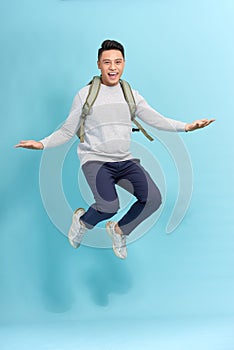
(130,175)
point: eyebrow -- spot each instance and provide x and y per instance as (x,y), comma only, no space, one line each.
(108,59)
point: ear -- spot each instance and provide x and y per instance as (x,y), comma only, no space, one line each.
(98,64)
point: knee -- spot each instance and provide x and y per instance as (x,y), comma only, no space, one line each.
(154,199)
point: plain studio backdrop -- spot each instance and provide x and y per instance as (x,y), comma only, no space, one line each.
(174,291)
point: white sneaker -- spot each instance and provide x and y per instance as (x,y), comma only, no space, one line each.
(119,241)
(77,229)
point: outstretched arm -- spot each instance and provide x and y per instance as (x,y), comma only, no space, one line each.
(60,136)
(198,124)
(150,116)
(30,144)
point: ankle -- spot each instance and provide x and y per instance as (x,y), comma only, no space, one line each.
(82,224)
(118,229)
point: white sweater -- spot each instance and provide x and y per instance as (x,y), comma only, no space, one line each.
(108,127)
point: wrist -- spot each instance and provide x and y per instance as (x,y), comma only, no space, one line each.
(41,145)
(186,129)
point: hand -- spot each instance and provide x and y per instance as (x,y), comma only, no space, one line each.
(30,144)
(198,124)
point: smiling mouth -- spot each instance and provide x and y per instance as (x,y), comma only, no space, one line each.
(112,75)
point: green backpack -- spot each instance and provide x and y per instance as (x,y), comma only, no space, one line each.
(92,95)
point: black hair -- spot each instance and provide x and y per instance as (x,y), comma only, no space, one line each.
(110,45)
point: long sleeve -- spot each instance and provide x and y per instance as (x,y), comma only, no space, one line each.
(69,127)
(151,117)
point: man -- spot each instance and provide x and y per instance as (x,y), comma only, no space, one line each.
(104,155)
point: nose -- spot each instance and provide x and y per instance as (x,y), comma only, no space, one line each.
(112,66)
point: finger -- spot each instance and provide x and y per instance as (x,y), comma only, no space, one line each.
(20,144)
(209,122)
(24,145)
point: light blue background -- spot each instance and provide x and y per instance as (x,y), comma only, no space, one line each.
(174,291)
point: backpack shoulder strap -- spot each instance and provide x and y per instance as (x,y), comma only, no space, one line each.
(91,98)
(128,95)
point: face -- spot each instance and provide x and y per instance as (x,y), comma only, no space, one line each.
(111,64)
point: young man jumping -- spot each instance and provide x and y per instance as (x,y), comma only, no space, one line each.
(105,152)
